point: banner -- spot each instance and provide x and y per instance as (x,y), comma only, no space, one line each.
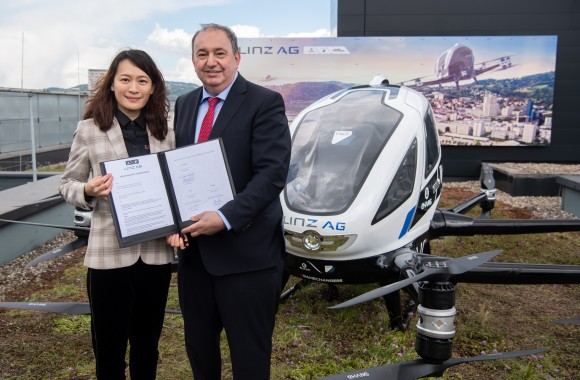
(484,90)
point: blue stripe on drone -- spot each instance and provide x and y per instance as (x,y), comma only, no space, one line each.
(407,223)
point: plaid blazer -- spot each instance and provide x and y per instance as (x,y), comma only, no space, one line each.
(91,146)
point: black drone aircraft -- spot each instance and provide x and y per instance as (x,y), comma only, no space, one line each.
(360,206)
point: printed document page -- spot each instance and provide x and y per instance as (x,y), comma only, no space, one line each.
(139,194)
(199,177)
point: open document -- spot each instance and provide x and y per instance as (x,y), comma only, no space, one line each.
(155,195)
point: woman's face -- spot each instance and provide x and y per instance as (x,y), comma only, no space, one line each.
(132,88)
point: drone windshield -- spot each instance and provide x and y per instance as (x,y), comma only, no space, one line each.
(402,185)
(334,149)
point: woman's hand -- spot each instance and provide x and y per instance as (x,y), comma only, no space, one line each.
(99,186)
(177,241)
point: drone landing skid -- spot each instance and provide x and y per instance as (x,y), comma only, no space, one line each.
(399,316)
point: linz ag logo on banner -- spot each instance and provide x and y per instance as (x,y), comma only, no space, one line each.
(131,162)
(261,50)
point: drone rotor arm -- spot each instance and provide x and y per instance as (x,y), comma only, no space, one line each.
(521,273)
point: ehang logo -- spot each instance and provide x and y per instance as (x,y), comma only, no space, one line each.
(131,162)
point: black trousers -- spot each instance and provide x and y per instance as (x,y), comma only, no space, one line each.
(127,304)
(244,304)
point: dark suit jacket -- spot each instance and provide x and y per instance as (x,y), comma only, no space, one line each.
(253,126)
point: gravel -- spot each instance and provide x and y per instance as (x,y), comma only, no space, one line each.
(14,276)
(541,207)
(537,168)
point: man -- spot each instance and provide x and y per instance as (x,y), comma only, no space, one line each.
(230,274)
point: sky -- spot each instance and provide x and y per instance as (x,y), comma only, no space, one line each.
(54,43)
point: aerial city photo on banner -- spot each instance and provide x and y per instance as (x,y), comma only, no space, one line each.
(484,90)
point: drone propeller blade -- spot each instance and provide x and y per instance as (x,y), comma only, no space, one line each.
(45,200)
(60,251)
(419,368)
(466,263)
(390,371)
(47,225)
(76,308)
(448,267)
(385,289)
(571,321)
(81,308)
(503,355)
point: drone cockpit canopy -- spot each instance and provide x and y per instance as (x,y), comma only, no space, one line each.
(364,172)
(334,149)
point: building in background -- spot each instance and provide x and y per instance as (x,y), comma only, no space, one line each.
(94,76)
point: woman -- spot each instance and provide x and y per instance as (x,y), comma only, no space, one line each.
(127,287)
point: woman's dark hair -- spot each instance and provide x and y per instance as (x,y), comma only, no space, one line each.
(102,105)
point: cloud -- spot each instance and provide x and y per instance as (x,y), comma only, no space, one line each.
(315,34)
(54,43)
(175,41)
(178,40)
(183,72)
(63,38)
(247,31)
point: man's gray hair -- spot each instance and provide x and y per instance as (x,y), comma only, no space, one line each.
(230,33)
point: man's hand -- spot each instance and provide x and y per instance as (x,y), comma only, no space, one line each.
(206,223)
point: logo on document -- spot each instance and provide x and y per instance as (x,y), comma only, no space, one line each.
(131,162)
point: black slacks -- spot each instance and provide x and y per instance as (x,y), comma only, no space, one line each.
(127,304)
(244,304)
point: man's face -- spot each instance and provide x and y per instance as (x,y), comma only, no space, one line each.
(214,60)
